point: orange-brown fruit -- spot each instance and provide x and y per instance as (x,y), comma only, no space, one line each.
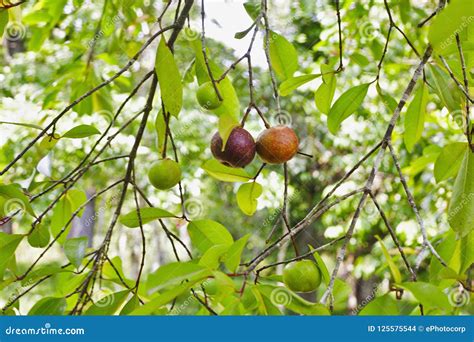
(277,145)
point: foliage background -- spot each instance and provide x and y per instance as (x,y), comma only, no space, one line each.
(61,49)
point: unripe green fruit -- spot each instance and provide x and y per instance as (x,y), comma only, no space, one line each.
(207,97)
(302,276)
(164,174)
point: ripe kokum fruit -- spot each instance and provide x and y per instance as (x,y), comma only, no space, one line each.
(207,96)
(239,150)
(277,145)
(164,174)
(302,276)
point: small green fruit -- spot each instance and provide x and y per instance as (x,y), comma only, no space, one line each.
(164,174)
(207,97)
(302,276)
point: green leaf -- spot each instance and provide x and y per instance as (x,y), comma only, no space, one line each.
(169,78)
(225,173)
(8,245)
(77,198)
(461,206)
(21,123)
(346,105)
(397,277)
(131,305)
(131,220)
(15,200)
(456,18)
(75,249)
(253,8)
(415,118)
(445,88)
(321,265)
(3,21)
(247,196)
(449,161)
(61,216)
(428,295)
(160,127)
(293,83)
(283,57)
(174,273)
(226,124)
(40,236)
(207,233)
(234,254)
(384,305)
(325,93)
(213,256)
(48,306)
(242,34)
(164,298)
(282,296)
(108,305)
(81,131)
(467,252)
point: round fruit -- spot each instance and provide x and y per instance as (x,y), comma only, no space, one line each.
(164,174)
(207,97)
(277,145)
(239,150)
(302,276)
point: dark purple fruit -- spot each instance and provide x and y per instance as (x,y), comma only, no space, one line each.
(239,150)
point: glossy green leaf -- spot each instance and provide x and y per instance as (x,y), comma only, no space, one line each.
(61,219)
(346,105)
(397,277)
(8,245)
(174,273)
(283,57)
(225,173)
(428,294)
(14,200)
(213,256)
(456,18)
(449,161)
(169,78)
(3,21)
(445,88)
(234,254)
(384,305)
(75,249)
(226,124)
(108,304)
(325,93)
(160,127)
(247,196)
(132,219)
(461,206)
(293,83)
(40,236)
(207,233)
(48,306)
(81,131)
(415,118)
